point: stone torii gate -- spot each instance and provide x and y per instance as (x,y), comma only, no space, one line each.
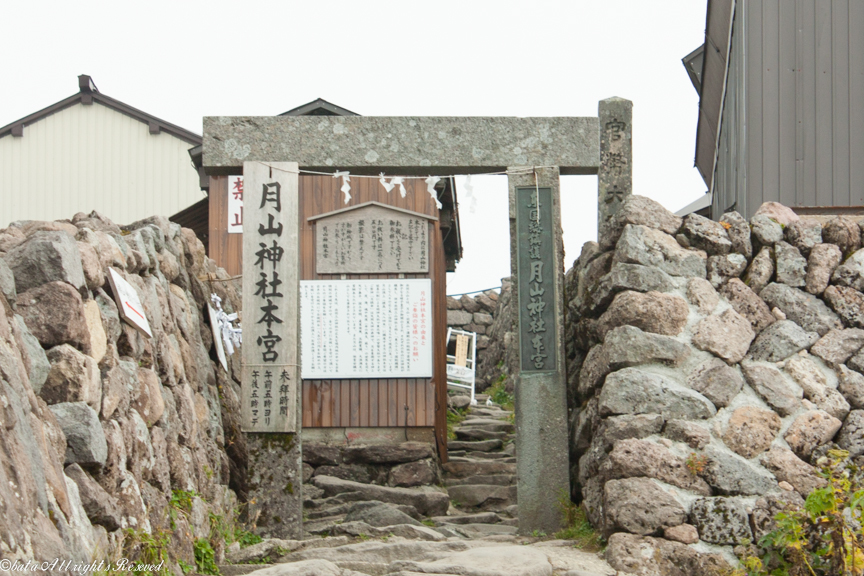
(534,152)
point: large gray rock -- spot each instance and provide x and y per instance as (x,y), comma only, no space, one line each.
(851,385)
(823,260)
(633,458)
(627,277)
(640,506)
(459,318)
(814,382)
(717,381)
(791,265)
(810,430)
(634,391)
(748,304)
(778,212)
(47,256)
(639,210)
(694,435)
(804,234)
(765,230)
(626,426)
(100,506)
(7,283)
(848,303)
(388,453)
(426,501)
(721,268)
(787,467)
(751,430)
(738,230)
(781,340)
(649,247)
(761,270)
(727,335)
(702,294)
(857,362)
(850,273)
(732,475)
(321,454)
(837,346)
(773,387)
(54,313)
(85,440)
(627,346)
(74,377)
(844,232)
(651,312)
(806,310)
(489,496)
(706,234)
(851,436)
(34,355)
(378,514)
(409,474)
(722,521)
(632,554)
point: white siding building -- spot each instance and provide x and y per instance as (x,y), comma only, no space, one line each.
(91,152)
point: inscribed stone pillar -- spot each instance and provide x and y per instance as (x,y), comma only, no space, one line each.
(615,175)
(271,348)
(537,264)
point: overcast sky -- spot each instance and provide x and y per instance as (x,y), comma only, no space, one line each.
(182,60)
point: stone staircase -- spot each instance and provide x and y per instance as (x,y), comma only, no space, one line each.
(481,473)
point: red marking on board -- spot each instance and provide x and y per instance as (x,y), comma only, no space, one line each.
(133,310)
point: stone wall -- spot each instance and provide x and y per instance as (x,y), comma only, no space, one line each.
(710,365)
(100,424)
(475,314)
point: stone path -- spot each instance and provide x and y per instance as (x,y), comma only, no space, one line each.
(468,527)
(481,474)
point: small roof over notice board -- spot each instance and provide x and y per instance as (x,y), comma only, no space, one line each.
(372,238)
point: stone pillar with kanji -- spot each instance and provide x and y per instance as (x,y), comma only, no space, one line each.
(615,175)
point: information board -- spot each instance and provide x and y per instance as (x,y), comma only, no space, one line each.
(366,328)
(128,304)
(371,239)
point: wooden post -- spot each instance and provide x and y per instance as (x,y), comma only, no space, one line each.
(271,357)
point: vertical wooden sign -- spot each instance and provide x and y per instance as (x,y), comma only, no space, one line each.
(271,297)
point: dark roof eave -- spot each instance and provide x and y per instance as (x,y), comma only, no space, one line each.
(139,115)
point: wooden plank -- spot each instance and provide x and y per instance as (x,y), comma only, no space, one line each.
(841,195)
(420,403)
(364,402)
(856,95)
(307,402)
(392,403)
(275,186)
(411,415)
(431,410)
(326,404)
(824,107)
(355,403)
(787,128)
(806,96)
(770,98)
(754,104)
(336,414)
(373,402)
(439,311)
(345,412)
(383,403)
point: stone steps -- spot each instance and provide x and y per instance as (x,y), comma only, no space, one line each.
(476,433)
(480,518)
(480,446)
(496,479)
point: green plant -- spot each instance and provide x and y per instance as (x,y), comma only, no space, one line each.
(696,463)
(205,557)
(146,550)
(454,417)
(246,538)
(498,393)
(538,534)
(577,527)
(822,538)
(429,522)
(363,537)
(186,568)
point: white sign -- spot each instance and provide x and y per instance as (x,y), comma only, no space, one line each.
(235,204)
(366,328)
(128,303)
(459,372)
(217,337)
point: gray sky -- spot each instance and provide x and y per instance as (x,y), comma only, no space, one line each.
(182,60)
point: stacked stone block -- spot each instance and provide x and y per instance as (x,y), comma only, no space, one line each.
(101,425)
(710,365)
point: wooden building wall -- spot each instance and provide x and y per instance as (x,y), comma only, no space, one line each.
(413,402)
(793,116)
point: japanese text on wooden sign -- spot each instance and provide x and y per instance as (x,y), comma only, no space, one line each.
(366,328)
(270,300)
(371,239)
(235,204)
(535,261)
